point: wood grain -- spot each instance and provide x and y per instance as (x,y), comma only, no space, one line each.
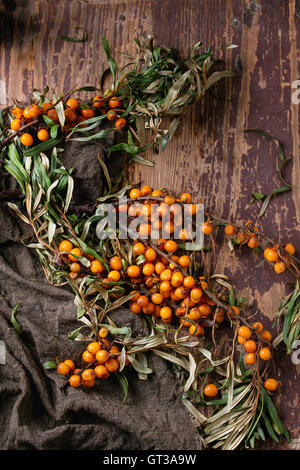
(211,157)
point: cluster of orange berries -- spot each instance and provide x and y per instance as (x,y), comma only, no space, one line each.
(75,113)
(101,359)
(75,265)
(280,263)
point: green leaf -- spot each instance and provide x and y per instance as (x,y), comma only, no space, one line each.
(121,378)
(111,62)
(54,131)
(50,365)
(16,325)
(72,39)
(232,298)
(73,334)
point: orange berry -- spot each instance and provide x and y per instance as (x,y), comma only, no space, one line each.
(52,114)
(103,332)
(88,374)
(165,286)
(250,358)
(76,252)
(271,385)
(265,354)
(142,301)
(15,124)
(157,298)
(177,279)
(186,197)
(102,356)
(72,103)
(166,275)
(148,309)
(113,276)
(250,346)
(31,111)
(138,249)
(157,193)
(88,383)
(135,308)
(290,249)
(279,267)
(101,372)
(70,363)
(112,115)
(96,267)
(75,381)
(26,139)
(112,365)
(241,340)
(145,190)
(205,310)
(116,263)
(271,254)
(114,102)
(17,112)
(168,228)
(87,113)
(148,269)
(87,357)
(65,245)
(219,315)
(189,282)
(98,101)
(94,347)
(245,332)
(230,230)
(170,246)
(114,349)
(133,271)
(150,254)
(210,390)
(257,326)
(120,123)
(71,115)
(169,200)
(184,261)
(266,335)
(75,268)
(165,313)
(196,293)
(236,311)
(207,228)
(144,230)
(196,330)
(194,314)
(63,368)
(43,135)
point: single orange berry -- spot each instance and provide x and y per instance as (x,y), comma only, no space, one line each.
(194,314)
(157,298)
(189,282)
(120,123)
(271,254)
(133,271)
(186,197)
(266,335)
(135,308)
(138,249)
(112,365)
(177,279)
(75,251)
(271,385)
(26,139)
(17,112)
(114,102)
(88,383)
(165,286)
(196,330)
(245,332)
(75,381)
(63,368)
(113,276)
(94,347)
(157,193)
(102,356)
(134,193)
(65,245)
(43,135)
(87,357)
(207,228)
(265,354)
(170,246)
(196,294)
(116,263)
(101,372)
(88,374)
(210,390)
(96,267)
(257,326)
(205,310)
(166,275)
(149,309)
(72,103)
(15,124)
(150,254)
(290,248)
(184,261)
(279,267)
(75,267)
(250,358)
(241,340)
(148,269)
(250,346)
(236,311)
(230,230)
(112,115)
(142,301)
(98,101)
(103,332)
(87,113)
(145,190)
(71,115)
(70,363)
(165,313)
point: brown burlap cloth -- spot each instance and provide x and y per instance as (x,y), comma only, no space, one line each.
(34,414)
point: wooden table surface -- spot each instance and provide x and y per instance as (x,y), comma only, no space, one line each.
(211,157)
